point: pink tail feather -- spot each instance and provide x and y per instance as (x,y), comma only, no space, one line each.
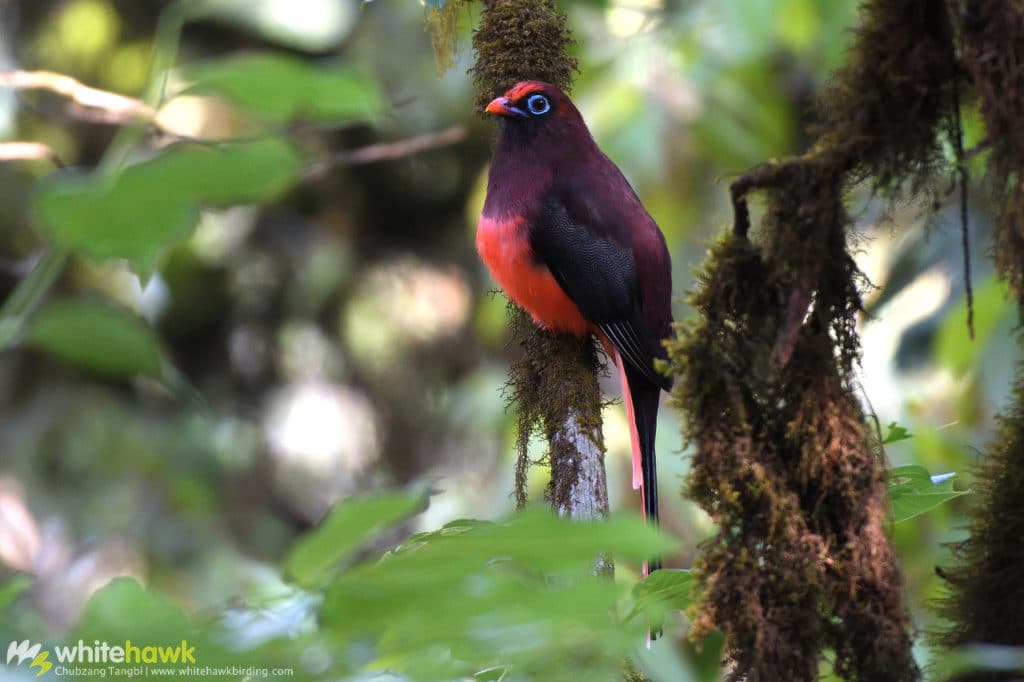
(634,441)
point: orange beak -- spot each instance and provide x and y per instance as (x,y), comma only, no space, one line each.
(500,106)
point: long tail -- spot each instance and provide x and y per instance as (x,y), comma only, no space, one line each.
(641,398)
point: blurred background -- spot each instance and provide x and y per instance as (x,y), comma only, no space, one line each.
(343,337)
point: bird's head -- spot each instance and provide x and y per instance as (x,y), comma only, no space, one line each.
(533,107)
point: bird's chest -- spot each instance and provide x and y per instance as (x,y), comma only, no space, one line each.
(504,246)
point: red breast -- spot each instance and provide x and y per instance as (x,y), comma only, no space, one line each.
(504,247)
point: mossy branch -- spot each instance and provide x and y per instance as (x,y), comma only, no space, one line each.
(554,385)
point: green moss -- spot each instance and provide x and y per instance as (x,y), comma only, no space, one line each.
(783,462)
(442,24)
(992,35)
(885,110)
(986,589)
(521,40)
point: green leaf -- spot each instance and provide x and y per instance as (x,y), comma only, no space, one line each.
(13,588)
(896,434)
(344,530)
(97,336)
(913,491)
(136,213)
(223,174)
(112,217)
(518,593)
(662,591)
(277,88)
(124,609)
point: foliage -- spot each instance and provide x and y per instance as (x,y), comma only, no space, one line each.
(517,596)
(913,491)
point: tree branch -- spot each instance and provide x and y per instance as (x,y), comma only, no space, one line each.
(385,151)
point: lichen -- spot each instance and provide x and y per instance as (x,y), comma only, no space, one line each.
(442,25)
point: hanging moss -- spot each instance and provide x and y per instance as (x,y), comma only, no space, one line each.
(553,382)
(442,24)
(992,33)
(887,108)
(783,462)
(783,459)
(986,584)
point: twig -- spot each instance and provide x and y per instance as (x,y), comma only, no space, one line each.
(118,109)
(29,151)
(965,233)
(385,151)
(984,144)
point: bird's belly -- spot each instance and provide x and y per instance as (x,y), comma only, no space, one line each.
(505,249)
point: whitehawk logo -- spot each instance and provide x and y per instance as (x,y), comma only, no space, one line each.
(26,649)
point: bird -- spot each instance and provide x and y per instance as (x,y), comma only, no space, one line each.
(565,235)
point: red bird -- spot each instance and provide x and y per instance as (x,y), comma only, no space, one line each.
(566,237)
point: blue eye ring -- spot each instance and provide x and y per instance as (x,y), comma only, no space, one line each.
(538,104)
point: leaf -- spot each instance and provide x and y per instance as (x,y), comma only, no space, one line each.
(662,591)
(896,434)
(136,213)
(112,217)
(97,336)
(124,609)
(913,491)
(13,588)
(344,530)
(224,174)
(277,88)
(518,593)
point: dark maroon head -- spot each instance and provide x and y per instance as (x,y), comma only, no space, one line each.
(534,112)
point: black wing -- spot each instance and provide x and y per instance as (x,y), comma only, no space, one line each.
(599,275)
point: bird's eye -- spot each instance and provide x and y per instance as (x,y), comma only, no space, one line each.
(538,104)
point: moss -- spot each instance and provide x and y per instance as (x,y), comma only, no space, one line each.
(520,40)
(442,24)
(783,459)
(784,463)
(986,586)
(992,34)
(557,376)
(886,109)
